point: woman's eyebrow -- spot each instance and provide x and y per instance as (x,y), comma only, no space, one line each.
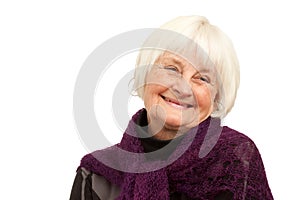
(204,69)
(171,59)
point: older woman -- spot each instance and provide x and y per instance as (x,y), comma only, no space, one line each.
(175,148)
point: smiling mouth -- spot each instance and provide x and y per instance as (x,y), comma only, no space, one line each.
(176,103)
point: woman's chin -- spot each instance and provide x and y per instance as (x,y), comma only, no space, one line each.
(175,123)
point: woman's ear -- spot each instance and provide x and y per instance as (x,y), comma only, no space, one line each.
(218,106)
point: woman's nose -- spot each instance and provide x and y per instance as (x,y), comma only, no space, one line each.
(182,89)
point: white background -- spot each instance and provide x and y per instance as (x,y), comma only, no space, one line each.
(44,43)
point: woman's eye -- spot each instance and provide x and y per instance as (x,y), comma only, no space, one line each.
(205,79)
(171,68)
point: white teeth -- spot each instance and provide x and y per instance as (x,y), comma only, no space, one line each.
(177,105)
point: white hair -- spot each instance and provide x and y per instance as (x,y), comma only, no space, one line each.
(211,40)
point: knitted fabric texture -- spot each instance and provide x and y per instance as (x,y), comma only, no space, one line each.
(214,160)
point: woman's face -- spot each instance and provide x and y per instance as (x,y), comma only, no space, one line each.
(177,94)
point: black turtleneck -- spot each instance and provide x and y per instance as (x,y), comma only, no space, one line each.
(151,144)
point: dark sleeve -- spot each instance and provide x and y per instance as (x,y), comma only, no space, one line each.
(257,184)
(77,186)
(224,195)
(82,187)
(238,171)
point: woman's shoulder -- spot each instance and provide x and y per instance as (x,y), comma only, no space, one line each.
(233,142)
(232,136)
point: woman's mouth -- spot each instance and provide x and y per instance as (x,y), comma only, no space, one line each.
(175,103)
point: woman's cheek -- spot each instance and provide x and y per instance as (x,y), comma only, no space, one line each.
(203,98)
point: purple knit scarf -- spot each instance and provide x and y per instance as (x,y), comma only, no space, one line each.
(195,174)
